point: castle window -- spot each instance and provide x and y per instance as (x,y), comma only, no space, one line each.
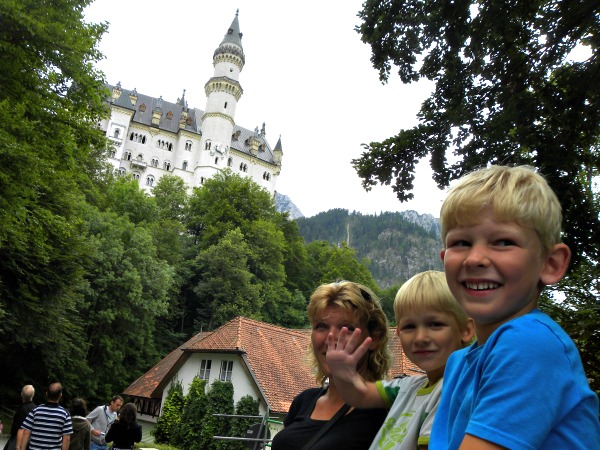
(154,162)
(113,152)
(136,176)
(216,160)
(122,172)
(127,155)
(184,165)
(167,165)
(170,115)
(150,180)
(116,133)
(230,162)
(207,145)
(188,145)
(140,157)
(143,107)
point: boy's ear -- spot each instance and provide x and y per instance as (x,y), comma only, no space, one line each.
(468,333)
(555,264)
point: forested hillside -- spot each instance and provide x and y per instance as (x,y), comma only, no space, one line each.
(396,244)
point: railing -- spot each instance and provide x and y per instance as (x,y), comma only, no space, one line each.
(260,435)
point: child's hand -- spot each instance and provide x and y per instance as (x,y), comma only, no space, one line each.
(344,355)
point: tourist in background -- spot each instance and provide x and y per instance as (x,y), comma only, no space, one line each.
(81,437)
(24,408)
(125,431)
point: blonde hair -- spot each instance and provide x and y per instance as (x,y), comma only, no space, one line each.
(516,194)
(428,291)
(364,306)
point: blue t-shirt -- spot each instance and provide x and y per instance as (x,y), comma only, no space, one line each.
(524,388)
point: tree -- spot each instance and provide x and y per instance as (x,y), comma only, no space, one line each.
(127,287)
(194,410)
(238,254)
(332,263)
(506,92)
(169,421)
(51,152)
(226,288)
(246,406)
(220,401)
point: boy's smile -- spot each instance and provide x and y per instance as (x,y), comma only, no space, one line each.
(428,338)
(494,269)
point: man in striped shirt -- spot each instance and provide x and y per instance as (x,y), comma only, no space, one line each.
(48,426)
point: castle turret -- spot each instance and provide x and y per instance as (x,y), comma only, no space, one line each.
(223,91)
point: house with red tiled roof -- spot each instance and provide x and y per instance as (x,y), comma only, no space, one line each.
(262,360)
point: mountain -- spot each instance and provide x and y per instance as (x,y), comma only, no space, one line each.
(397,244)
(284,204)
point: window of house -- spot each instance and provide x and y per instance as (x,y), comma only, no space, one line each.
(205,369)
(150,180)
(154,162)
(117,132)
(127,156)
(184,165)
(216,161)
(122,172)
(167,165)
(230,162)
(226,370)
(188,145)
(136,176)
(207,145)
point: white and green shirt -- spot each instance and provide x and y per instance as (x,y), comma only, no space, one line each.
(412,408)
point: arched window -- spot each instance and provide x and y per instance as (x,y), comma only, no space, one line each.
(122,172)
(127,155)
(136,176)
(207,145)
(154,162)
(167,165)
(230,162)
(184,165)
(216,161)
(131,136)
(150,180)
(116,133)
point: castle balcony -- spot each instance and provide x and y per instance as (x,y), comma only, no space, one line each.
(138,164)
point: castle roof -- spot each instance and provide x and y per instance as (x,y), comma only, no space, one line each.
(143,106)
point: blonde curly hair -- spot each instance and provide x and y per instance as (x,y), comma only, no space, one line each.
(362,305)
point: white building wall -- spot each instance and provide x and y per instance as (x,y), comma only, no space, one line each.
(242,381)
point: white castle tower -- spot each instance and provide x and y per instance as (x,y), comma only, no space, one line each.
(153,137)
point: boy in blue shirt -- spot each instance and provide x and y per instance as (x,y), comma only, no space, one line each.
(521,384)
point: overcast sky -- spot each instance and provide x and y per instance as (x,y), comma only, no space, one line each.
(307,76)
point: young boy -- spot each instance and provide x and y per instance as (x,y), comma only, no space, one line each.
(522,384)
(431,325)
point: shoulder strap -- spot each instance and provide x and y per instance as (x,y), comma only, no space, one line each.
(330,423)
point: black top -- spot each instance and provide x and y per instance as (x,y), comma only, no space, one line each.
(355,431)
(19,417)
(124,435)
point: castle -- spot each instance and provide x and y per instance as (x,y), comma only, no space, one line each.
(152,137)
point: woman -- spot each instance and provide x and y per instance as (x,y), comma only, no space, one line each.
(125,431)
(318,418)
(80,439)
